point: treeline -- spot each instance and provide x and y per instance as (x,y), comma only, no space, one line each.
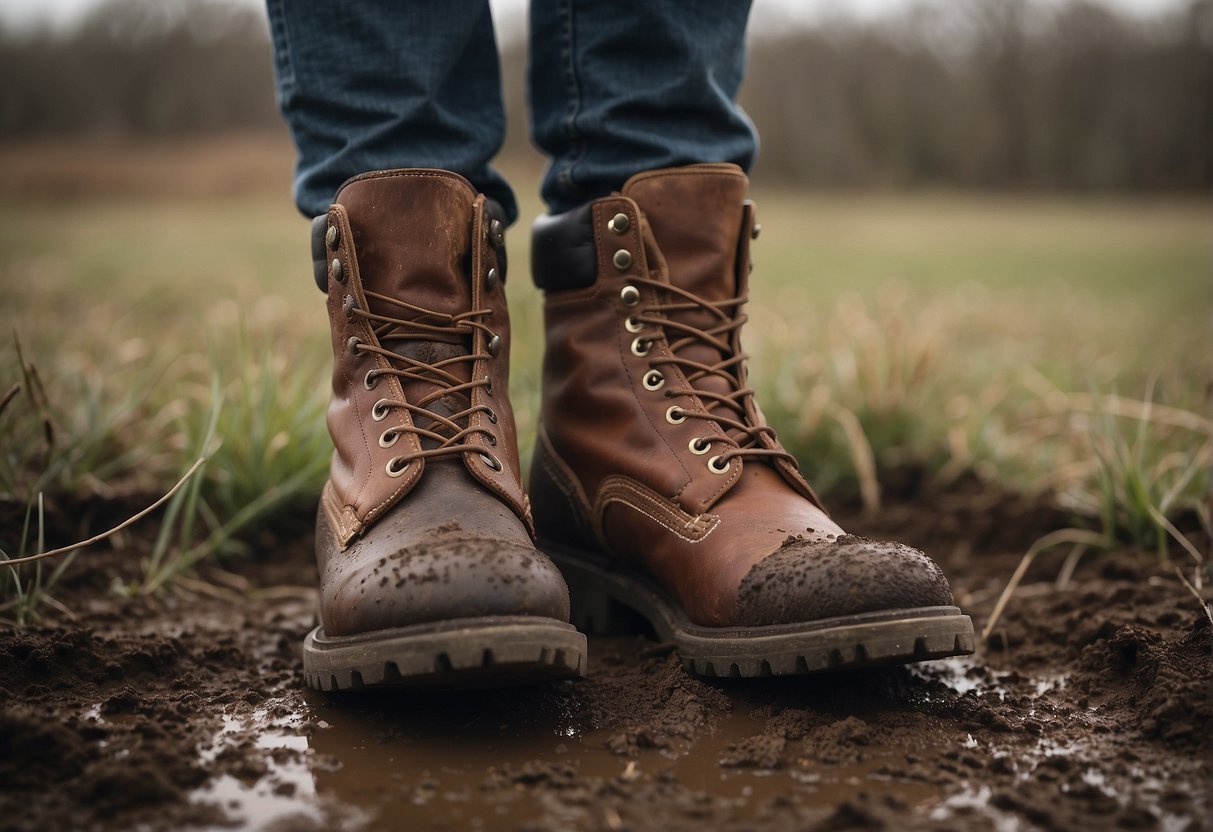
(960,93)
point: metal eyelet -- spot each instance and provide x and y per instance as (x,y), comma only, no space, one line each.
(492,440)
(491,461)
(641,347)
(653,380)
(379,410)
(488,386)
(494,345)
(352,344)
(348,305)
(632,325)
(618,223)
(496,233)
(490,280)
(675,415)
(395,466)
(630,295)
(491,415)
(715,467)
(389,438)
(755,231)
(370,381)
(332,237)
(622,259)
(700,445)
(338,270)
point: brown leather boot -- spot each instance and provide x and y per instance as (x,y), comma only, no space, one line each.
(656,480)
(428,573)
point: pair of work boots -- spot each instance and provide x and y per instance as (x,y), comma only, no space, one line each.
(656,483)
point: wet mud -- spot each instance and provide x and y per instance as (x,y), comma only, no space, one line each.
(1089,710)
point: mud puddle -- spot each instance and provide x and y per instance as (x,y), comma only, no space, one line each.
(470,760)
(188,711)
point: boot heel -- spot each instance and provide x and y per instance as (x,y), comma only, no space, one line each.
(593,611)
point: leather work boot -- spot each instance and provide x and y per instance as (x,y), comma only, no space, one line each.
(657,483)
(428,572)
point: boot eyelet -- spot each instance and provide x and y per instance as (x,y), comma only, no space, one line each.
(352,345)
(379,410)
(496,233)
(675,415)
(494,345)
(700,446)
(491,461)
(622,259)
(641,347)
(389,438)
(630,295)
(755,231)
(488,386)
(490,280)
(618,223)
(632,325)
(491,415)
(371,380)
(347,306)
(332,237)
(653,380)
(396,466)
(338,270)
(492,440)
(717,467)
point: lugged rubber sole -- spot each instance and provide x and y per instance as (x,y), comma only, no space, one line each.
(602,599)
(486,652)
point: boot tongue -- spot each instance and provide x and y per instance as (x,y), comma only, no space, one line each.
(695,214)
(412,236)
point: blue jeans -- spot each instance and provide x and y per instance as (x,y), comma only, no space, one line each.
(615,88)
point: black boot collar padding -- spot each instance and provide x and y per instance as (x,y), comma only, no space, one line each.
(320,260)
(562,250)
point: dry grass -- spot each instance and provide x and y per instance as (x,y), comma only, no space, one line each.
(957,333)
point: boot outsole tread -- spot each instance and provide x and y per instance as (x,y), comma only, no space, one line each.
(469,653)
(607,601)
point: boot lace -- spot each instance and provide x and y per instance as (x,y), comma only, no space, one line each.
(726,410)
(447,435)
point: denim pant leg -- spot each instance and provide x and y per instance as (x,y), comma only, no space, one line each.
(380,84)
(619,88)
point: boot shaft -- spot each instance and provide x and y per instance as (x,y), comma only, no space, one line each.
(420,337)
(626,399)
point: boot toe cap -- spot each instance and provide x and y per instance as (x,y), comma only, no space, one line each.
(444,580)
(813,580)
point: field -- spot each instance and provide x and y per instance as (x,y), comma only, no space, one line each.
(972,374)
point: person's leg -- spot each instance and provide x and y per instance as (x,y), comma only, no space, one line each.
(384,84)
(616,90)
(428,570)
(656,482)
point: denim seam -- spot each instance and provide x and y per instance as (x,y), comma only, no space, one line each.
(282,57)
(573,90)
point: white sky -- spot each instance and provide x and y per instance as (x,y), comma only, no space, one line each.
(510,18)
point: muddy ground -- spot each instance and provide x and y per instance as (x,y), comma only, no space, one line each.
(1091,710)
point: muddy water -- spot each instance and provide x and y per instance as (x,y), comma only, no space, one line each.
(496,760)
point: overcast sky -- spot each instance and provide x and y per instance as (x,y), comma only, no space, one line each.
(509,12)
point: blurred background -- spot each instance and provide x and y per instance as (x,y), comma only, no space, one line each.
(976,94)
(986,259)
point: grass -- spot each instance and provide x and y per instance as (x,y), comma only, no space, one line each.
(1043,344)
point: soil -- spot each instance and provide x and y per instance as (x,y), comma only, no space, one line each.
(1089,710)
